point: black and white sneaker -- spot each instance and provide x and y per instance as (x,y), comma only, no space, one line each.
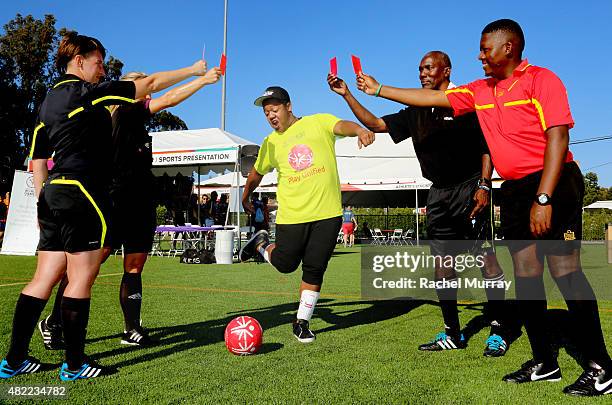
(594,381)
(28,366)
(89,369)
(138,337)
(53,338)
(442,341)
(532,371)
(302,332)
(250,248)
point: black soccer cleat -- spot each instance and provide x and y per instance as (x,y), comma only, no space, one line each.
(594,381)
(52,336)
(250,248)
(495,346)
(532,371)
(442,341)
(28,366)
(89,369)
(302,332)
(138,337)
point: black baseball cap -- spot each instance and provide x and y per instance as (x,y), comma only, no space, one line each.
(273,92)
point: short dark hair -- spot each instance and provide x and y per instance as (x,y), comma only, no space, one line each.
(443,57)
(507,25)
(73,44)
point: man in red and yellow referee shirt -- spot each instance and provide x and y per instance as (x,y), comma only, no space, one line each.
(525,117)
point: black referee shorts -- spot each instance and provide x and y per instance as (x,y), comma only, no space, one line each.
(566,223)
(72,216)
(311,243)
(449,227)
(134,220)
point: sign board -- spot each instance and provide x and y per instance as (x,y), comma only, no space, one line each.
(21,233)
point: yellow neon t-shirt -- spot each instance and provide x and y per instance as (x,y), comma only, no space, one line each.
(305,158)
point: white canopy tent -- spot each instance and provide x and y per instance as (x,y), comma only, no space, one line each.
(189,151)
(602,205)
(224,182)
(383,165)
(186,151)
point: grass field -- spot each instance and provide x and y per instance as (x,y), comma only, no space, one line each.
(366,351)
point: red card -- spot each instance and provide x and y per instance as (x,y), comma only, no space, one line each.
(356,64)
(223,63)
(333,66)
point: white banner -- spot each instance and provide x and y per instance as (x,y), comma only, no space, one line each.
(235,199)
(195,157)
(21,233)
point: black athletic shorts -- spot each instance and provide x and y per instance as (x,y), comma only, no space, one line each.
(134,219)
(449,227)
(311,243)
(566,223)
(72,216)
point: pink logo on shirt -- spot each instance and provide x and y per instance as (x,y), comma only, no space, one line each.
(300,157)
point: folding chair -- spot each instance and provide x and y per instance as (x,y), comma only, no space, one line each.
(396,237)
(378,238)
(408,238)
(177,244)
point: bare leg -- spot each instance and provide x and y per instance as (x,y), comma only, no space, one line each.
(50,268)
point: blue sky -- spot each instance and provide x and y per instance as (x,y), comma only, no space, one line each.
(289,43)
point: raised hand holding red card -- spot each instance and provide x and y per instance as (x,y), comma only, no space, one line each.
(356,65)
(333,66)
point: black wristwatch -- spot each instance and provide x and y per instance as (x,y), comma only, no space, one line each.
(542,199)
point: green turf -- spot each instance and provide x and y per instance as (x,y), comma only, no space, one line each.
(365,350)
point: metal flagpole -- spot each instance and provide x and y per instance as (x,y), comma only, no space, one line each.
(225,75)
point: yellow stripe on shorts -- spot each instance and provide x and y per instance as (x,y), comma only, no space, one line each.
(91,200)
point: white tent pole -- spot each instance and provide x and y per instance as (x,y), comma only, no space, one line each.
(416,212)
(237,194)
(199,197)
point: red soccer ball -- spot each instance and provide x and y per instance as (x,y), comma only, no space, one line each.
(243,336)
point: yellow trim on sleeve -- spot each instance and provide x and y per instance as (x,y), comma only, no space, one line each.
(538,107)
(42,124)
(459,90)
(91,200)
(484,106)
(516,102)
(75,112)
(99,100)
(65,81)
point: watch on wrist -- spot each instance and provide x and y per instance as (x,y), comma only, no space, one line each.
(542,199)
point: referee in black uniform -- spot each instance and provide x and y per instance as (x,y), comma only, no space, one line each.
(75,128)
(132,194)
(453,155)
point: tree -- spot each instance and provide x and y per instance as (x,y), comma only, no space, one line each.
(165,121)
(26,71)
(113,68)
(591,189)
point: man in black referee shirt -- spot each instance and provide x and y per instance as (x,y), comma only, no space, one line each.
(453,156)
